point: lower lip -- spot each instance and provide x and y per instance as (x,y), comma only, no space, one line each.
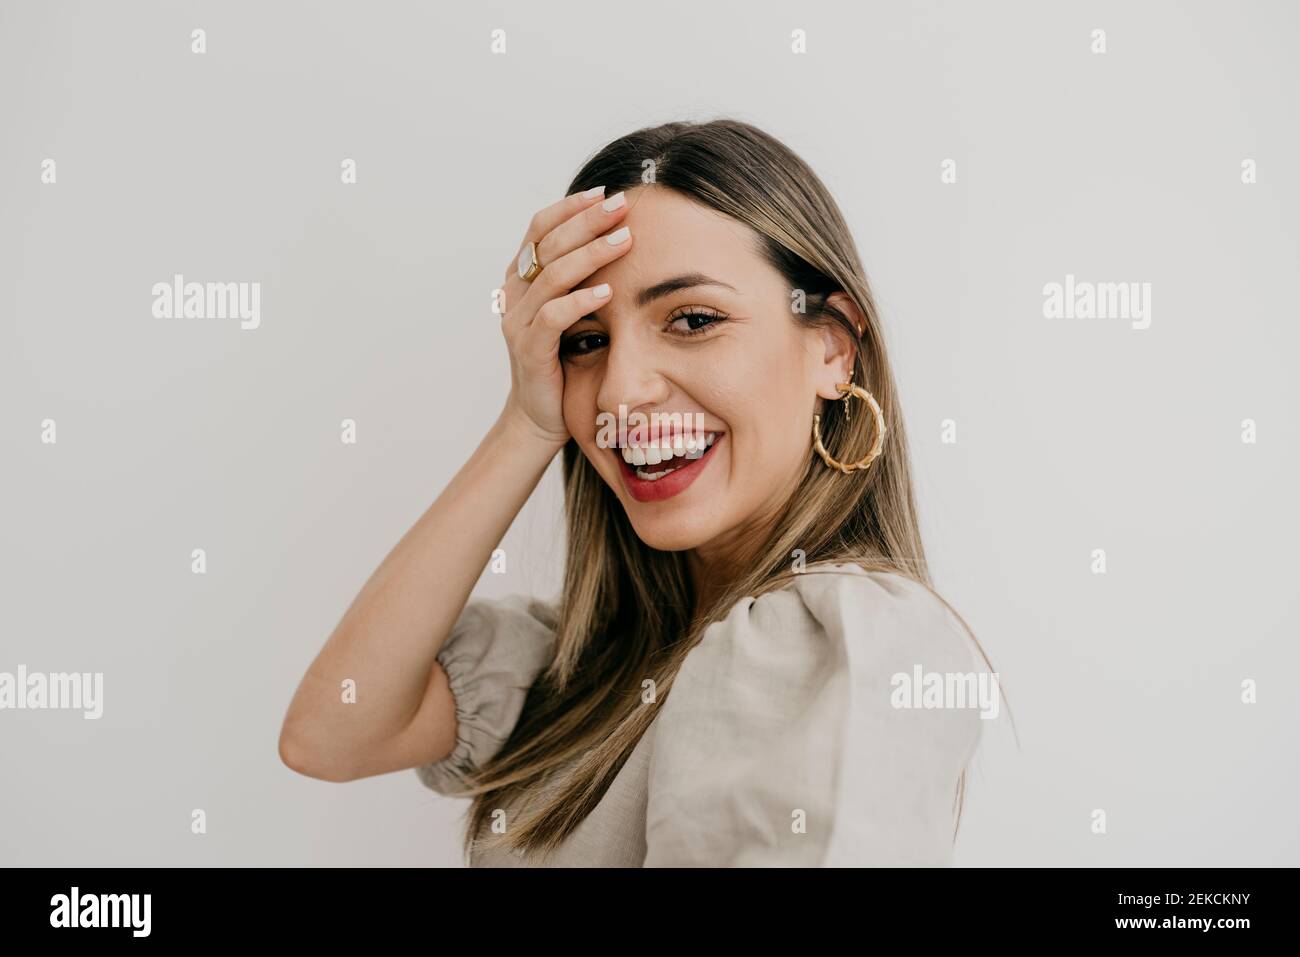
(671,484)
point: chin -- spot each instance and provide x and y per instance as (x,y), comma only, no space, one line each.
(672,533)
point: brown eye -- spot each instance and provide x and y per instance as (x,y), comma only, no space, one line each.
(695,321)
(582,343)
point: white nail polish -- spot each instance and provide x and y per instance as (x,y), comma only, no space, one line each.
(618,236)
(594,192)
(601,291)
(614,202)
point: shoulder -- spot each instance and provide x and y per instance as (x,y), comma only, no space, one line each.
(838,615)
(509,638)
(874,660)
(491,657)
(519,611)
(782,740)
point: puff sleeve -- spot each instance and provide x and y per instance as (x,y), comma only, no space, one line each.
(493,654)
(782,741)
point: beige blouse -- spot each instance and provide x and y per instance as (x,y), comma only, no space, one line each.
(779,744)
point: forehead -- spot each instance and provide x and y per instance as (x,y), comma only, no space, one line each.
(672,235)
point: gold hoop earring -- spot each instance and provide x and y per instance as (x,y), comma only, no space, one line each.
(849,390)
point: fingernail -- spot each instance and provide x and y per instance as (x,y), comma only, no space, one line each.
(594,192)
(614,202)
(618,236)
(601,291)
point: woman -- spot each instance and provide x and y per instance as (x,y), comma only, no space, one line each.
(713,686)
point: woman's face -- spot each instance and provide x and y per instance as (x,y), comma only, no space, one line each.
(697,323)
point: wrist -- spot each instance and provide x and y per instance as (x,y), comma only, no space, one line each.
(525,436)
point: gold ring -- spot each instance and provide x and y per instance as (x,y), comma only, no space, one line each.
(529,267)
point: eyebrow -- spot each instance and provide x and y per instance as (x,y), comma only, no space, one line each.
(688,280)
(669,286)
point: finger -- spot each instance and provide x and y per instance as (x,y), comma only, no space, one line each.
(572,268)
(596,220)
(542,223)
(541,339)
(544,220)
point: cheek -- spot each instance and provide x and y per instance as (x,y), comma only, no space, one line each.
(770,421)
(579,405)
(580,418)
(770,410)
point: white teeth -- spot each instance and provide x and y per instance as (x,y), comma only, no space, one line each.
(690,446)
(641,455)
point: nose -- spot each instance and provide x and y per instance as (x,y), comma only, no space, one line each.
(632,377)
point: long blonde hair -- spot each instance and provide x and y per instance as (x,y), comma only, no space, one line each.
(626,610)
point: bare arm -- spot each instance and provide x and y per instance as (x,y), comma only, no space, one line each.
(404,714)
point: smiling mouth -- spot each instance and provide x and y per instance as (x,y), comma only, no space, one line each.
(653,473)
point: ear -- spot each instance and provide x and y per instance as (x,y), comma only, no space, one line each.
(835,365)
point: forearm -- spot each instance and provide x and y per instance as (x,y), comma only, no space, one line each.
(387,639)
